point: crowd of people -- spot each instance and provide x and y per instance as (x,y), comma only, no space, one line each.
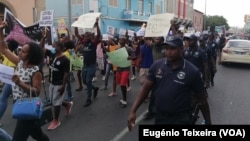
(174,72)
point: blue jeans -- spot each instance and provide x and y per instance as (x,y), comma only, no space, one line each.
(107,73)
(88,73)
(6,92)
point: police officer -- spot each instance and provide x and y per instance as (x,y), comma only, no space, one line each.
(197,56)
(174,82)
(213,46)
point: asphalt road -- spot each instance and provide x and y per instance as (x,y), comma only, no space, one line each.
(105,120)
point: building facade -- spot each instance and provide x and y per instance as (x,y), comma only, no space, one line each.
(127,14)
(198,20)
(27,13)
(247,24)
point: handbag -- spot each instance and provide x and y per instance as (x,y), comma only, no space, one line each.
(28,108)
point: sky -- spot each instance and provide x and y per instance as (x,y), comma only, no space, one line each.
(232,10)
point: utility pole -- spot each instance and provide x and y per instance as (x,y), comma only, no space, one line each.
(205,17)
(69,15)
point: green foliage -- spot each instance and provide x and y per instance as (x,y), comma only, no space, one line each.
(212,21)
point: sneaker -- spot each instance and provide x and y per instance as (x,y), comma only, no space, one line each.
(54,124)
(88,102)
(129,89)
(69,107)
(112,94)
(95,92)
(94,79)
(148,116)
(133,77)
(123,103)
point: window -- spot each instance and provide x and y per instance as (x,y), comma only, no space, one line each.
(128,2)
(150,7)
(113,3)
(140,7)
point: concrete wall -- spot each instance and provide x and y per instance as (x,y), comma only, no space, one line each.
(23,11)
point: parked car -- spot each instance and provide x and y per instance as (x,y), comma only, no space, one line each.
(236,51)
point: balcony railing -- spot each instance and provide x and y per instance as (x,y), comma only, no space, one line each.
(135,15)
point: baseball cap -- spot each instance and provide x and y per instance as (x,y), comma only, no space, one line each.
(174,41)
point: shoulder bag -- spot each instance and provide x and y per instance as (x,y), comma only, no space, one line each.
(28,108)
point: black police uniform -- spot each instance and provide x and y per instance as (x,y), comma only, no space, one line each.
(173,91)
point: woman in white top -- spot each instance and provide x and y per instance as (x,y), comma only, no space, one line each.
(26,77)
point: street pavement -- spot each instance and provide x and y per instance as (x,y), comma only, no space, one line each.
(105,120)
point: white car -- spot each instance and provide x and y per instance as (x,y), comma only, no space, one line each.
(236,51)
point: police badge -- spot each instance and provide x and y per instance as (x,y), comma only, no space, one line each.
(181,75)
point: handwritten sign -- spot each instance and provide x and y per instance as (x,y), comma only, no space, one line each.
(131,33)
(46,18)
(86,20)
(6,74)
(122,31)
(119,57)
(158,25)
(110,30)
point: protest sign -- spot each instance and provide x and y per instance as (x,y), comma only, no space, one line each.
(131,33)
(119,57)
(158,24)
(110,31)
(6,74)
(61,26)
(122,31)
(46,18)
(86,20)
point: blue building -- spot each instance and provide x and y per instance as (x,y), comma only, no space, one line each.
(126,14)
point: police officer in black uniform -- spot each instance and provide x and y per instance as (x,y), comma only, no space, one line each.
(174,81)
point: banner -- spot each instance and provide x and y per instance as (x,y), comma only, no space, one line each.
(34,32)
(119,57)
(86,20)
(158,25)
(17,31)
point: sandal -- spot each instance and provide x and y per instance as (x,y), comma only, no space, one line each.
(79,89)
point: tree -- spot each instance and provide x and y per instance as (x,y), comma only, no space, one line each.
(212,21)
